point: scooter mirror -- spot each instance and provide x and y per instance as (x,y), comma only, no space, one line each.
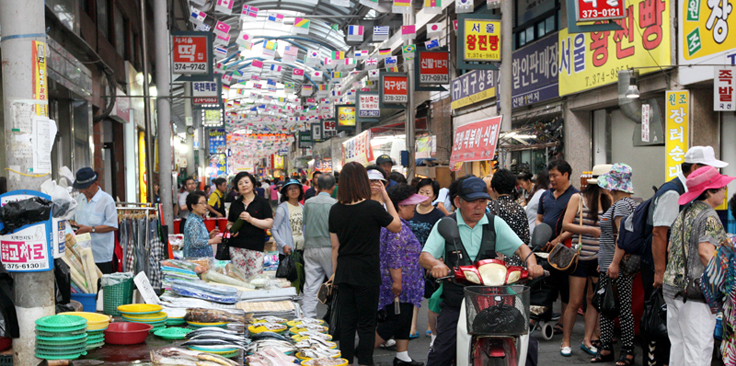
(541,236)
(448,229)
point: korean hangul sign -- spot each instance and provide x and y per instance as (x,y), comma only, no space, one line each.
(40,82)
(329,125)
(534,69)
(677,130)
(345,115)
(724,89)
(707,35)
(358,149)
(218,165)
(217,139)
(434,67)
(29,249)
(475,141)
(368,105)
(473,87)
(204,92)
(590,10)
(590,60)
(482,41)
(395,89)
(191,54)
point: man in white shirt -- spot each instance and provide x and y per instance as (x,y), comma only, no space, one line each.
(96,215)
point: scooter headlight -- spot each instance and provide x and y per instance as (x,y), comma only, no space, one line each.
(493,274)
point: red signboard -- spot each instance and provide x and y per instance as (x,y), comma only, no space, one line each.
(475,142)
(590,10)
(434,68)
(190,54)
(395,89)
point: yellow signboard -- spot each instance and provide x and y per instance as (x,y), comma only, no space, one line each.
(677,130)
(346,116)
(142,174)
(590,60)
(482,41)
(705,25)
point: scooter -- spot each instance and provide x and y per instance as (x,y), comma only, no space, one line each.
(492,292)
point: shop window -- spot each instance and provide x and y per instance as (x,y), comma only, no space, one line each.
(536,28)
(103,23)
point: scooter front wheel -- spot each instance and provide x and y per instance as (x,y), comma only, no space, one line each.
(548,331)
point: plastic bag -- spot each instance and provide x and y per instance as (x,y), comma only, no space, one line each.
(203,264)
(271,261)
(63,279)
(29,211)
(206,291)
(176,241)
(202,315)
(64,205)
(609,302)
(181,264)
(654,320)
(116,278)
(499,319)
(287,269)
(597,296)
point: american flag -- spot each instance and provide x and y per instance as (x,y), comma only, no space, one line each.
(249,12)
(290,53)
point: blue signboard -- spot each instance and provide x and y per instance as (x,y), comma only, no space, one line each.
(535,72)
(218,141)
(472,87)
(29,248)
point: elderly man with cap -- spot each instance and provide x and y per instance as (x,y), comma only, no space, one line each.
(96,215)
(469,196)
(386,163)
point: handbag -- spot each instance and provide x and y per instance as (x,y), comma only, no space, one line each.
(630,263)
(563,258)
(324,295)
(693,290)
(223,251)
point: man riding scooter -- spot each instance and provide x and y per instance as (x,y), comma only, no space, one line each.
(482,235)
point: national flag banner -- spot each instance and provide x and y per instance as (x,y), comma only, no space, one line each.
(312,58)
(255,77)
(355,33)
(330,63)
(275,17)
(393,69)
(360,54)
(464,6)
(227,79)
(371,63)
(269,47)
(432,44)
(370,83)
(237,74)
(244,40)
(433,6)
(298,74)
(317,76)
(310,100)
(434,29)
(335,93)
(224,6)
(335,27)
(454,25)
(337,75)
(409,50)
(322,89)
(408,32)
(257,85)
(373,74)
(338,55)
(289,87)
(301,26)
(290,54)
(221,28)
(343,3)
(258,64)
(220,52)
(402,7)
(306,90)
(380,33)
(384,52)
(203,27)
(373,4)
(197,16)
(391,61)
(222,40)
(271,82)
(249,13)
(275,68)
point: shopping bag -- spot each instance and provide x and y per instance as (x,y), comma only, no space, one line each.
(287,269)
(334,316)
(654,320)
(609,302)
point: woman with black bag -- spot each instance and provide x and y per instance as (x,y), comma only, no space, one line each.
(695,236)
(618,183)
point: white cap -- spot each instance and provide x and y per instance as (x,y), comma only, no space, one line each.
(375,175)
(703,155)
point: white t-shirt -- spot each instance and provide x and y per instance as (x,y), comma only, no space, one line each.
(444,197)
(183,203)
(531,209)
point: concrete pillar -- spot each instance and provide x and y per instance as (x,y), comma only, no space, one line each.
(163,106)
(23,22)
(578,142)
(507,50)
(704,124)
(410,126)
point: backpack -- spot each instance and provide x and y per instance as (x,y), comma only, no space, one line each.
(635,234)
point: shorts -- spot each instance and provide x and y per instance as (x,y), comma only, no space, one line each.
(560,284)
(396,326)
(587,268)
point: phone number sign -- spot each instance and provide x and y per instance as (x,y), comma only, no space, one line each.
(191,54)
(395,89)
(28,249)
(591,10)
(482,41)
(434,67)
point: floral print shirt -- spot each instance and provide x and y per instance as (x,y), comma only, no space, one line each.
(697,224)
(196,238)
(401,251)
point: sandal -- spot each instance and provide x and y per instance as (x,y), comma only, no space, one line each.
(599,357)
(558,329)
(624,360)
(596,343)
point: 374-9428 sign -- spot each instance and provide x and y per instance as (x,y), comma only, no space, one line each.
(190,54)
(434,67)
(395,89)
(588,10)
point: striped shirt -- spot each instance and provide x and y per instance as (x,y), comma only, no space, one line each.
(591,244)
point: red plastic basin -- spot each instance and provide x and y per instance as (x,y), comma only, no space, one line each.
(5,343)
(127,333)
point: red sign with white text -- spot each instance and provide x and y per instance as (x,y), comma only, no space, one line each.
(434,68)
(475,141)
(395,89)
(588,10)
(190,54)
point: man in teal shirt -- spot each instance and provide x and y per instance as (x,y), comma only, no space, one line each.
(469,196)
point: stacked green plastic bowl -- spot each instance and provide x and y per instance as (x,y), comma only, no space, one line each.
(157,320)
(61,337)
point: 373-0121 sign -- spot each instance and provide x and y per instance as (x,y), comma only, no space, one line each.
(395,89)
(589,10)
(434,67)
(190,54)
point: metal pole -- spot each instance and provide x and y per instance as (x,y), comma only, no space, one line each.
(23,22)
(163,106)
(147,106)
(410,110)
(189,122)
(507,33)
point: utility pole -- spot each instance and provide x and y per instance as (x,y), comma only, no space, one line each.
(23,23)
(147,108)
(189,122)
(163,107)
(409,127)
(507,49)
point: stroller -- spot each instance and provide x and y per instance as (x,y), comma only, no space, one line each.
(543,293)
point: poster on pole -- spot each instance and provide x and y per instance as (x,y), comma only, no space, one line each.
(475,141)
(30,247)
(677,130)
(358,149)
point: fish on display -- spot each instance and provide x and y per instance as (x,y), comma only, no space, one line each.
(269,335)
(212,329)
(219,336)
(282,346)
(183,357)
(212,343)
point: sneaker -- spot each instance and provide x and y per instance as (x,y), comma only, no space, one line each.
(388,344)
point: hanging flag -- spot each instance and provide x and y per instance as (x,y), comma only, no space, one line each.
(203,27)
(317,76)
(380,33)
(338,55)
(221,28)
(222,40)
(337,75)
(391,61)
(322,89)
(384,52)
(393,69)
(464,6)
(227,79)
(371,63)
(431,44)
(408,32)
(301,26)
(249,13)
(275,17)
(288,87)
(401,7)
(434,29)
(244,40)
(298,74)
(258,64)
(257,85)
(433,6)
(290,53)
(255,77)
(224,6)
(373,75)
(349,63)
(355,33)
(360,54)
(335,27)
(269,47)
(344,3)
(306,90)
(271,82)
(335,93)
(408,51)
(197,16)
(275,68)
(220,52)
(373,4)
(312,58)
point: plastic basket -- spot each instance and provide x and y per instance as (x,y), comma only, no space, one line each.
(498,310)
(116,295)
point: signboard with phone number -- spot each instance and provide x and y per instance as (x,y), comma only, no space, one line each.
(590,10)
(30,248)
